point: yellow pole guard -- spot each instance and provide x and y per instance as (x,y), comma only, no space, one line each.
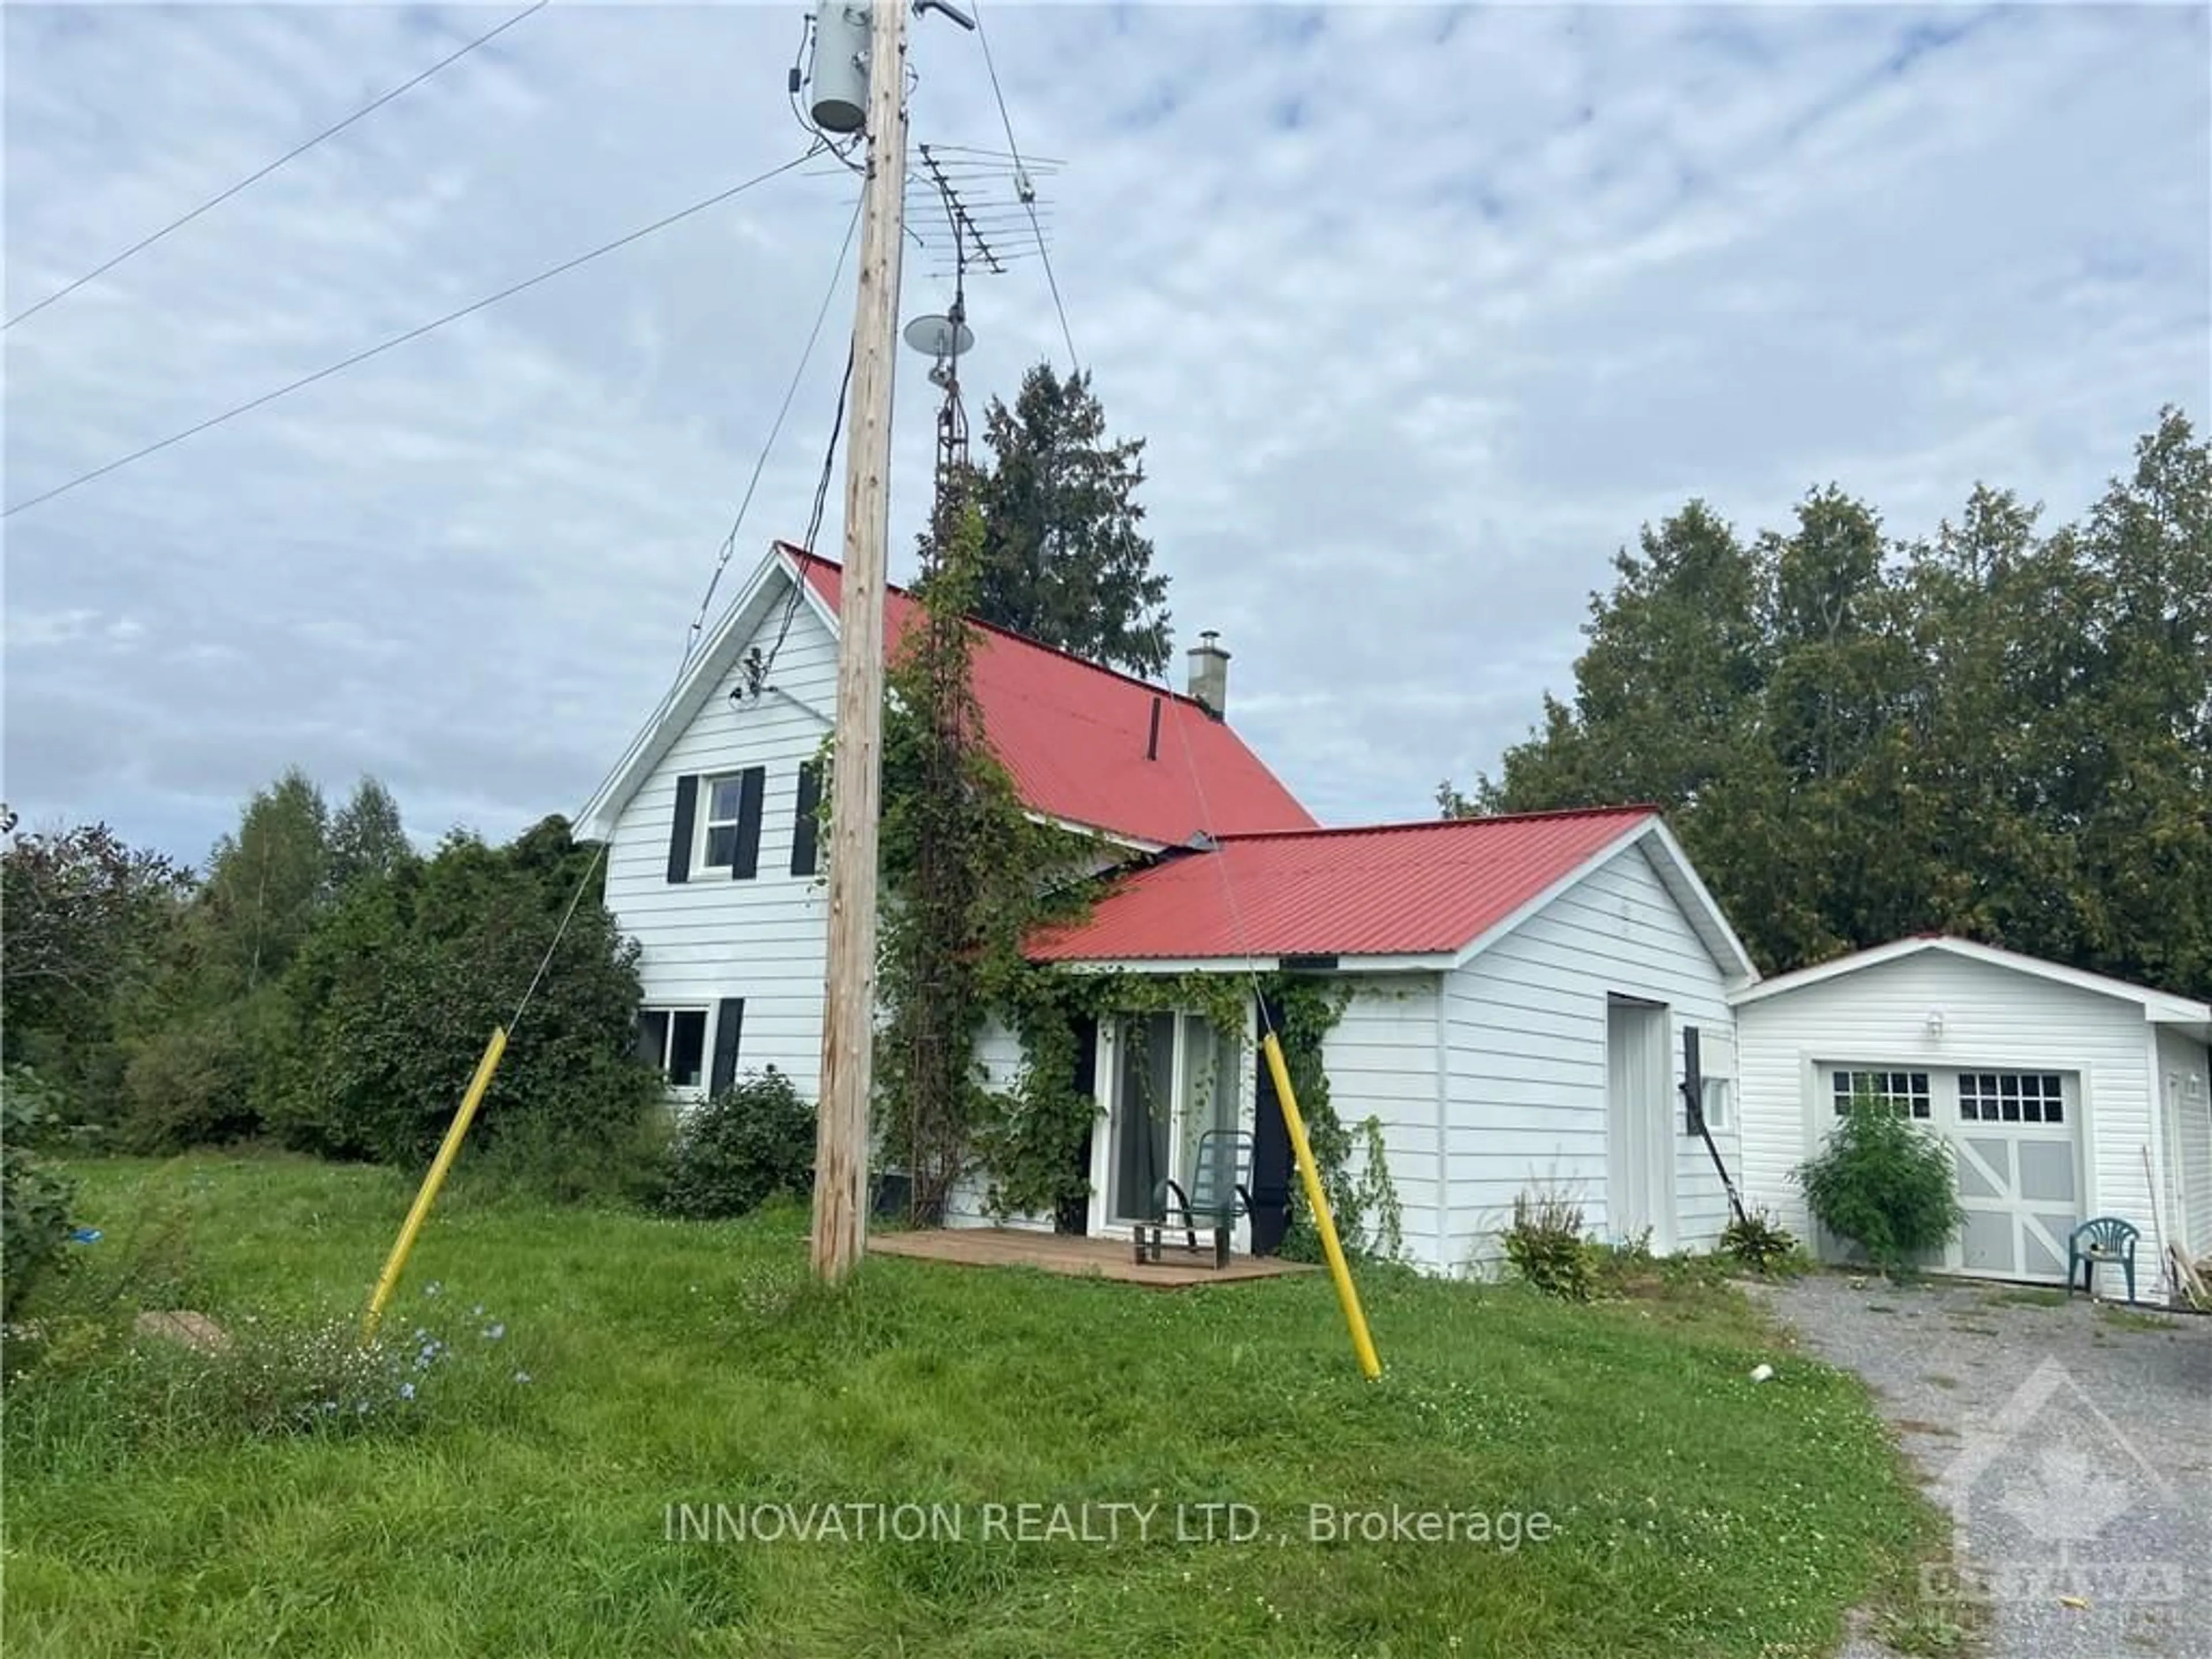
(397,1260)
(1362,1344)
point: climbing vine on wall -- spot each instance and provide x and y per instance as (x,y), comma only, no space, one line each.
(967,877)
(1363,1202)
(1032,1150)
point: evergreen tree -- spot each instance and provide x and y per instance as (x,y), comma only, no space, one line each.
(1063,560)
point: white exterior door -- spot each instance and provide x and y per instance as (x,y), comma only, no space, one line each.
(2188,1133)
(2015,1141)
(1639,1126)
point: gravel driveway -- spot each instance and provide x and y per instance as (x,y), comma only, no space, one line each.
(2071,1444)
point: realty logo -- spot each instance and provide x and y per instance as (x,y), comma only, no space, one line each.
(2036,1491)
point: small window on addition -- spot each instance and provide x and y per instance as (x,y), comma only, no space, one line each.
(1714,1101)
(673,1041)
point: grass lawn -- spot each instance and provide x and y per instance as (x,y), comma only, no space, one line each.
(1690,1511)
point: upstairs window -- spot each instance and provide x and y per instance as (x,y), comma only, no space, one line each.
(724,806)
(716,823)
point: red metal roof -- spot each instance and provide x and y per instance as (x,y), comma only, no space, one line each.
(1396,890)
(1074,737)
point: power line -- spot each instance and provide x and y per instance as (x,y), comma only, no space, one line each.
(730,541)
(415,333)
(982,34)
(293,153)
(806,355)
(813,520)
(722,559)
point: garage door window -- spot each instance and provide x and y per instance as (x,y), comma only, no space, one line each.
(2010,1097)
(1903,1092)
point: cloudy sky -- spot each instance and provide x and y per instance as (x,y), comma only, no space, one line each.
(1422,312)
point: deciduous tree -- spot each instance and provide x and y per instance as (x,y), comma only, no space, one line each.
(87,915)
(1997,733)
(365,837)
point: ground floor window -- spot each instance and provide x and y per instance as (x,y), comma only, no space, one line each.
(1904,1092)
(2010,1097)
(673,1041)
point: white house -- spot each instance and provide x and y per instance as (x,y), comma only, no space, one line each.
(1520,986)
(708,819)
(1519,989)
(1522,989)
(2063,1095)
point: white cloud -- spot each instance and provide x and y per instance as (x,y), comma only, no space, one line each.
(1421,313)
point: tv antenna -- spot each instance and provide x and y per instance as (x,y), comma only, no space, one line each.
(969,210)
(946,338)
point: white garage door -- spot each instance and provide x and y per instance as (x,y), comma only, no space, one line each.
(2015,1137)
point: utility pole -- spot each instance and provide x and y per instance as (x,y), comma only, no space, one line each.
(840,1163)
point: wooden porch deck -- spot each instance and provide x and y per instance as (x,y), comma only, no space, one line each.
(1079,1256)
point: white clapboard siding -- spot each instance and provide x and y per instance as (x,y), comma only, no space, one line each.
(1381,1061)
(763,939)
(1994,1019)
(2185,1069)
(1525,1057)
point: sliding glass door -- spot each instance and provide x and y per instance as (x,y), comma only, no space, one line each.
(1143,1110)
(1175,1077)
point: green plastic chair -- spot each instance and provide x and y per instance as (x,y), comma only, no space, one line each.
(2106,1238)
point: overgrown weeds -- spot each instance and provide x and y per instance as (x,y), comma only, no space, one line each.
(1547,1245)
(1757,1240)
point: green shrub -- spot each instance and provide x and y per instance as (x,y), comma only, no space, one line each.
(735,1151)
(1546,1247)
(1758,1241)
(550,1159)
(1885,1183)
(396,990)
(34,1199)
(194,1083)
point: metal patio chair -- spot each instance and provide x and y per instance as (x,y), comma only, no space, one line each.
(1218,1193)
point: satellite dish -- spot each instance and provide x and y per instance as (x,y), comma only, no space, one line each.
(940,336)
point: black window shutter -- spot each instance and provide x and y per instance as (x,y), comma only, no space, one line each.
(729,1020)
(681,826)
(752,787)
(805,829)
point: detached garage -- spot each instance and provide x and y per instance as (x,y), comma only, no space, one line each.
(2063,1096)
